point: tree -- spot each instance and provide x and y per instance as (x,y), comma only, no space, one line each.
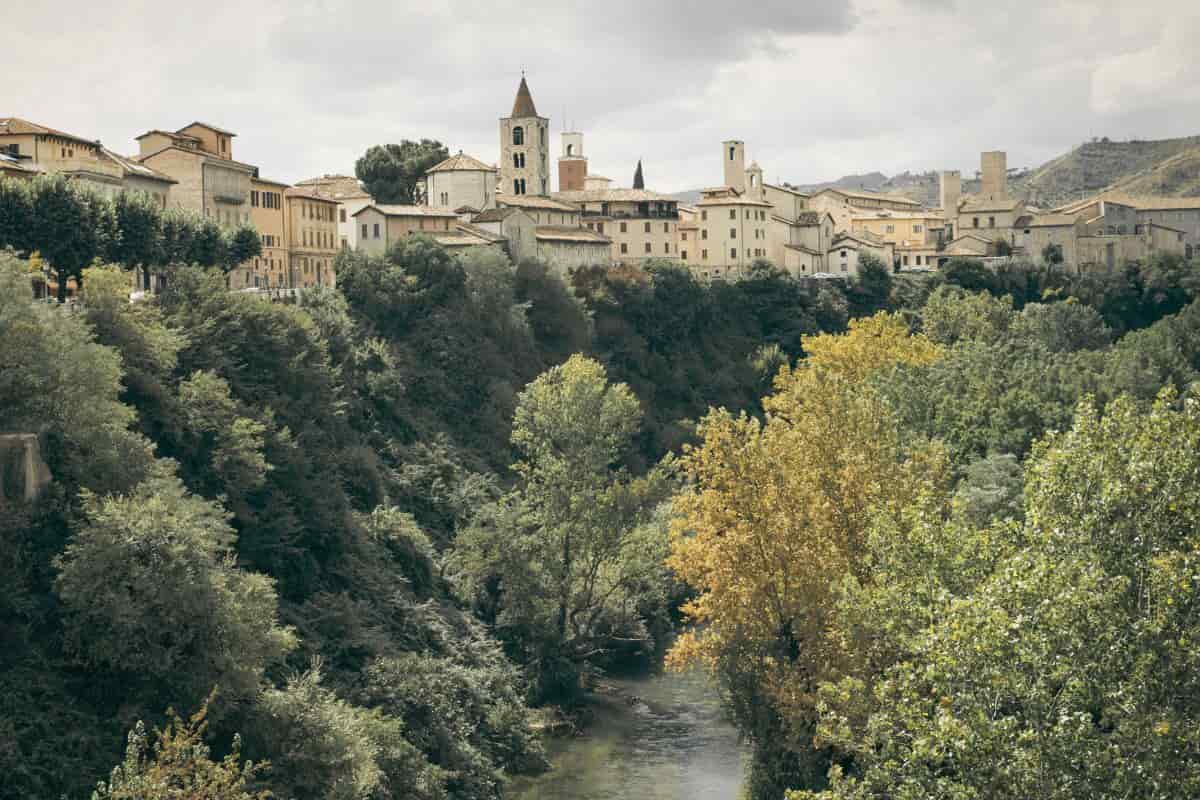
(1052,254)
(243,244)
(141,244)
(774,519)
(871,289)
(16,209)
(1052,659)
(969,273)
(150,591)
(178,766)
(952,314)
(390,172)
(562,562)
(70,227)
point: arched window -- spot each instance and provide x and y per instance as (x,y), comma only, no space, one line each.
(732,151)
(570,149)
(518,135)
(516,186)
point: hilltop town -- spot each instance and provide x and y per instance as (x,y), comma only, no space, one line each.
(464,202)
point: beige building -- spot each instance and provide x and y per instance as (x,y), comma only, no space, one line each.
(524,148)
(271,269)
(848,249)
(350,197)
(641,224)
(199,157)
(844,204)
(139,177)
(313,238)
(732,234)
(1179,213)
(461,181)
(515,226)
(799,245)
(544,210)
(380,226)
(14,167)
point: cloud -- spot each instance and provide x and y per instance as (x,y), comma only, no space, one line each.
(815,89)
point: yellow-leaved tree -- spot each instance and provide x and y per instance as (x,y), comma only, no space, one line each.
(774,519)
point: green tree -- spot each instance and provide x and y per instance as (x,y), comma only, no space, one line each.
(560,563)
(390,172)
(16,209)
(141,244)
(150,591)
(243,243)
(178,766)
(70,227)
(952,314)
(871,289)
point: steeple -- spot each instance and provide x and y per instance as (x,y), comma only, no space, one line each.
(523,106)
(638,181)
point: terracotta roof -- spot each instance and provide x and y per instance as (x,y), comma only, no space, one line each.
(614,196)
(865,195)
(309,194)
(342,187)
(460,162)
(213,128)
(1052,221)
(535,201)
(212,157)
(733,200)
(494,214)
(260,179)
(18,125)
(463,237)
(970,235)
(523,104)
(565,233)
(131,166)
(408,211)
(1166,227)
(482,233)
(171,134)
(865,237)
(972,205)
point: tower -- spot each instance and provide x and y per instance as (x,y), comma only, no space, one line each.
(733,155)
(639,182)
(524,148)
(572,164)
(754,182)
(995,174)
(949,192)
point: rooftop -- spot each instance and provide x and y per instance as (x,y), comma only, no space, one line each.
(865,195)
(1052,220)
(535,201)
(213,128)
(16,125)
(494,214)
(308,193)
(972,205)
(614,196)
(131,166)
(1144,202)
(408,210)
(460,162)
(566,233)
(523,104)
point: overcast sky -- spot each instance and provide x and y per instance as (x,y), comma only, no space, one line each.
(815,89)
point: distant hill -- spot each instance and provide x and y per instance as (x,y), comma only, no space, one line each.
(1168,167)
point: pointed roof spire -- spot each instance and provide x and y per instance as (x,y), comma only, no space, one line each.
(638,181)
(523,105)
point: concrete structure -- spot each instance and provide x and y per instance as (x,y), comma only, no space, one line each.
(23,473)
(380,225)
(993,174)
(572,163)
(524,148)
(734,160)
(641,224)
(313,238)
(350,197)
(461,180)
(200,158)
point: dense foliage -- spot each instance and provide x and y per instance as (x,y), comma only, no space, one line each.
(390,172)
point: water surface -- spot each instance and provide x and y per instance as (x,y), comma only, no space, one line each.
(660,737)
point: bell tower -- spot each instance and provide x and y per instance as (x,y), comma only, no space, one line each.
(524,148)
(572,164)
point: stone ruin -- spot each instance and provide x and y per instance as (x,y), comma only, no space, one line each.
(23,473)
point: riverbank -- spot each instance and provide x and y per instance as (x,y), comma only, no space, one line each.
(654,737)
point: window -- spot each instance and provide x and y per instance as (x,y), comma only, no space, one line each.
(666,247)
(518,135)
(647,247)
(376,230)
(844,268)
(666,227)
(683,236)
(570,149)
(733,233)
(704,255)
(747,213)
(624,228)
(14,149)
(364,230)
(918,228)
(733,213)
(890,229)
(683,255)
(904,260)
(341,215)
(600,227)
(254,199)
(624,248)
(975,222)
(991,222)
(704,233)
(733,252)
(646,228)
(732,153)
(843,254)
(704,215)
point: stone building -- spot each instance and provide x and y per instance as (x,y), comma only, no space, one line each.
(461,181)
(381,225)
(567,248)
(1097,236)
(271,269)
(313,238)
(517,228)
(641,224)
(199,157)
(524,148)
(732,231)
(572,163)
(544,210)
(848,249)
(1178,213)
(350,197)
(843,204)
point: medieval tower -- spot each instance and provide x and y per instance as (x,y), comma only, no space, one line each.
(524,148)
(572,164)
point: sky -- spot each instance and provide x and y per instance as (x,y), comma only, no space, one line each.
(815,89)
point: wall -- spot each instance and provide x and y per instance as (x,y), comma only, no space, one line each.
(1186,220)
(994,165)
(536,148)
(571,174)
(630,238)
(313,241)
(567,256)
(744,234)
(784,203)
(734,167)
(455,188)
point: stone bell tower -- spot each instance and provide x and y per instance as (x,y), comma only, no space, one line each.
(524,148)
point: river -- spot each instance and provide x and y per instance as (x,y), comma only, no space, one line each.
(658,737)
